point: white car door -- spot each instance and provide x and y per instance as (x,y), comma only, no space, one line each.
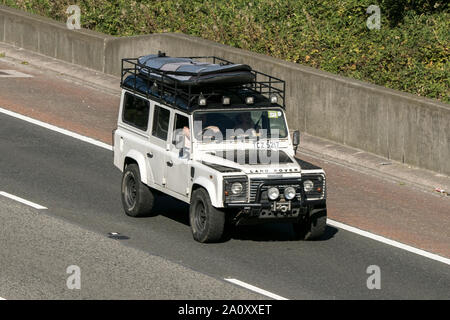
(177,158)
(158,146)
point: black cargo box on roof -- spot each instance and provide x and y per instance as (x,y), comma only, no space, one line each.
(187,71)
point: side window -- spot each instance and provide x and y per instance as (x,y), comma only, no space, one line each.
(161,119)
(135,111)
(181,132)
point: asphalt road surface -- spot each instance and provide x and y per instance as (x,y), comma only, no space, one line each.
(80,188)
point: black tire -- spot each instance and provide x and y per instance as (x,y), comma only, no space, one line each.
(207,222)
(137,198)
(313,226)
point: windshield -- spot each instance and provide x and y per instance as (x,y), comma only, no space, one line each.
(239,124)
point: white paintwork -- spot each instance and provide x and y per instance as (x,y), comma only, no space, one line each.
(178,175)
(158,148)
(139,158)
(212,185)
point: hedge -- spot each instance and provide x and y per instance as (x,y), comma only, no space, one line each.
(409,52)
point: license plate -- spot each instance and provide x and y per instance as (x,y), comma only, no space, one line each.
(266,145)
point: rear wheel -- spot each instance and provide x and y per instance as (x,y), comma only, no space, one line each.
(207,222)
(313,226)
(137,198)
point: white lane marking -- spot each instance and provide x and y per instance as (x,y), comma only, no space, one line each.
(2,298)
(57,129)
(256,289)
(28,203)
(388,241)
(13,74)
(330,222)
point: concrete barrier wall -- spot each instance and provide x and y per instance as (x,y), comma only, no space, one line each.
(386,122)
(51,38)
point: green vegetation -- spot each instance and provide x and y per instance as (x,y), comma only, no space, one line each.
(409,53)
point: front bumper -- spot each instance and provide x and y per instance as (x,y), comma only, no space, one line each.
(273,211)
(258,208)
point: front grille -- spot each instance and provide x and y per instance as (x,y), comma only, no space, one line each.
(267,183)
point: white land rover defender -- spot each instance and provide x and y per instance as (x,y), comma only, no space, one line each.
(213,134)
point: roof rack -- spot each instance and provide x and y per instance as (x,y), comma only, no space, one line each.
(186,97)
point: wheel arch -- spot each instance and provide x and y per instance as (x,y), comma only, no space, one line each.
(208,185)
(137,158)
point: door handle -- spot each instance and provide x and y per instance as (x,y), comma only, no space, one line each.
(169,163)
(149,154)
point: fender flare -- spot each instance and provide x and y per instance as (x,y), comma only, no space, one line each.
(139,158)
(208,185)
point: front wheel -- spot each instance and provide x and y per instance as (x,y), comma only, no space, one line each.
(207,222)
(313,226)
(137,198)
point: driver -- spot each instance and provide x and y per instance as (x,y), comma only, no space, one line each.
(245,123)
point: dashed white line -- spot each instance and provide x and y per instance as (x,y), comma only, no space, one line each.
(388,241)
(2,298)
(57,129)
(28,203)
(330,222)
(256,289)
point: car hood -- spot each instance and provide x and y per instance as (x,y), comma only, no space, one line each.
(252,161)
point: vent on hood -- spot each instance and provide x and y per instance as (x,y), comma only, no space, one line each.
(220,168)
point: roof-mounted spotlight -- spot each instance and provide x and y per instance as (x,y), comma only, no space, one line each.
(201,100)
(226,100)
(249,100)
(273,99)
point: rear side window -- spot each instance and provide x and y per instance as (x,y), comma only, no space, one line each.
(161,122)
(135,111)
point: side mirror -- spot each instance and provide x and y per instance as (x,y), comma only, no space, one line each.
(296,139)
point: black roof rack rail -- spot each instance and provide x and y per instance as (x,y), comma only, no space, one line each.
(182,96)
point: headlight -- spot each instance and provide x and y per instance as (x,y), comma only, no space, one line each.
(289,193)
(273,193)
(236,188)
(308,185)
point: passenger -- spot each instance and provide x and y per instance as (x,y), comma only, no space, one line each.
(187,137)
(202,126)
